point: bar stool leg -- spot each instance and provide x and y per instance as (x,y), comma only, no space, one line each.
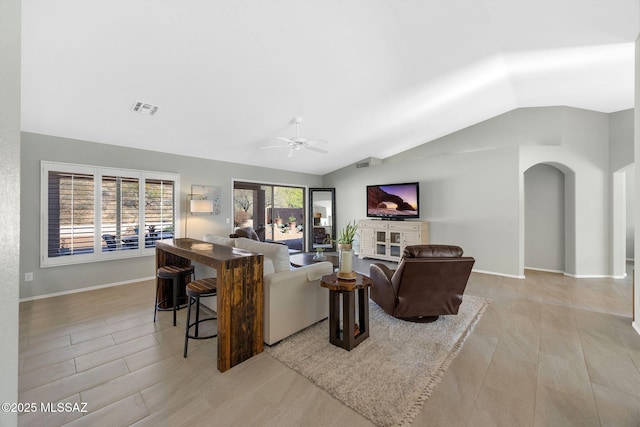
(186,332)
(197,313)
(155,306)
(175,298)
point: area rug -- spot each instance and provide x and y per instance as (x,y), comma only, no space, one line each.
(389,376)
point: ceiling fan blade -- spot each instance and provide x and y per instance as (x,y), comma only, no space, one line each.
(317,141)
(316,149)
(291,153)
(284,139)
(274,146)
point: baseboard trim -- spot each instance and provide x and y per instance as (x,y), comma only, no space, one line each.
(575,276)
(592,276)
(546,270)
(619,277)
(90,288)
(636,326)
(493,273)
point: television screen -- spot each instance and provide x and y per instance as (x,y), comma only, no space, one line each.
(393,201)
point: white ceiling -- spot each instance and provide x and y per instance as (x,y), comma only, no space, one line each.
(371,77)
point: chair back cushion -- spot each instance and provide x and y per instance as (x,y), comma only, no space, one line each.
(427,251)
(431,286)
(247,232)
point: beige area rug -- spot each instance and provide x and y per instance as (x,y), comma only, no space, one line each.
(389,376)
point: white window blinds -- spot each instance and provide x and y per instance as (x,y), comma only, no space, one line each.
(92,213)
(71,213)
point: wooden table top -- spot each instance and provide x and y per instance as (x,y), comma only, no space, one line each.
(204,252)
(332,282)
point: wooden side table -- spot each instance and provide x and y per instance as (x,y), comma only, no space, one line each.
(349,336)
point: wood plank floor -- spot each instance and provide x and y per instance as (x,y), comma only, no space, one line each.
(549,351)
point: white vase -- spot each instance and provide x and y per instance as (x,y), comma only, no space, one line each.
(345,269)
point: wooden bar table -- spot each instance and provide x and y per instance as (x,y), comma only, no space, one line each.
(240,293)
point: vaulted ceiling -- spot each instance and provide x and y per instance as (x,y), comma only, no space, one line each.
(373,78)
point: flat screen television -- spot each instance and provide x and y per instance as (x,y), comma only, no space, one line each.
(393,201)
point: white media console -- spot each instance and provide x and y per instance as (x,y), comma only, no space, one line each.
(386,240)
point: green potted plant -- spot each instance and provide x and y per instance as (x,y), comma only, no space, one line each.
(319,253)
(346,235)
(292,222)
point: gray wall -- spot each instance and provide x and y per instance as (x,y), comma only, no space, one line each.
(472,186)
(544,218)
(621,160)
(467,198)
(192,171)
(10,19)
(620,139)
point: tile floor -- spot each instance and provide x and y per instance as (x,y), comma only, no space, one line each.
(549,351)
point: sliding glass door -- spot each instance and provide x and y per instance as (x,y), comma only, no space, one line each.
(275,212)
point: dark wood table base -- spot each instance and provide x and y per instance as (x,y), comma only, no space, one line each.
(353,333)
(354,330)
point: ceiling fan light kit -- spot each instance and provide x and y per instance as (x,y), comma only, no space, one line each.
(297,143)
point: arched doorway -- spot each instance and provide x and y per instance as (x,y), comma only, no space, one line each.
(549,218)
(545,218)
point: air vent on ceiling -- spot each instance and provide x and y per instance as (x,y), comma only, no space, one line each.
(371,161)
(142,108)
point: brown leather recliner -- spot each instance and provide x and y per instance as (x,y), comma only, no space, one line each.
(429,282)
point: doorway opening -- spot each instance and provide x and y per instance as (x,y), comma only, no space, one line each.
(623,221)
(275,212)
(545,214)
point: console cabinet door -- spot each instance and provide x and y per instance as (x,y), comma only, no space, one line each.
(387,240)
(367,243)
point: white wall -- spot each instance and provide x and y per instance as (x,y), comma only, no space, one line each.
(544,218)
(630,191)
(192,171)
(636,146)
(10,18)
(472,186)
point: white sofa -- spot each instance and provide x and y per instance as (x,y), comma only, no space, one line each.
(293,297)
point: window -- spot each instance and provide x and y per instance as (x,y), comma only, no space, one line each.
(93,214)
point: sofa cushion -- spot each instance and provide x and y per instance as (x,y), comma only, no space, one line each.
(226,241)
(277,254)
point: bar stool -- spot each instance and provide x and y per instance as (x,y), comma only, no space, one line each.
(176,274)
(200,288)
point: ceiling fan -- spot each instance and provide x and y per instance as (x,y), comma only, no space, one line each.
(297,143)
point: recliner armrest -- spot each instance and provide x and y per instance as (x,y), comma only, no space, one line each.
(382,291)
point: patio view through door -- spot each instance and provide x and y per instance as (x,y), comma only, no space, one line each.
(276,212)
